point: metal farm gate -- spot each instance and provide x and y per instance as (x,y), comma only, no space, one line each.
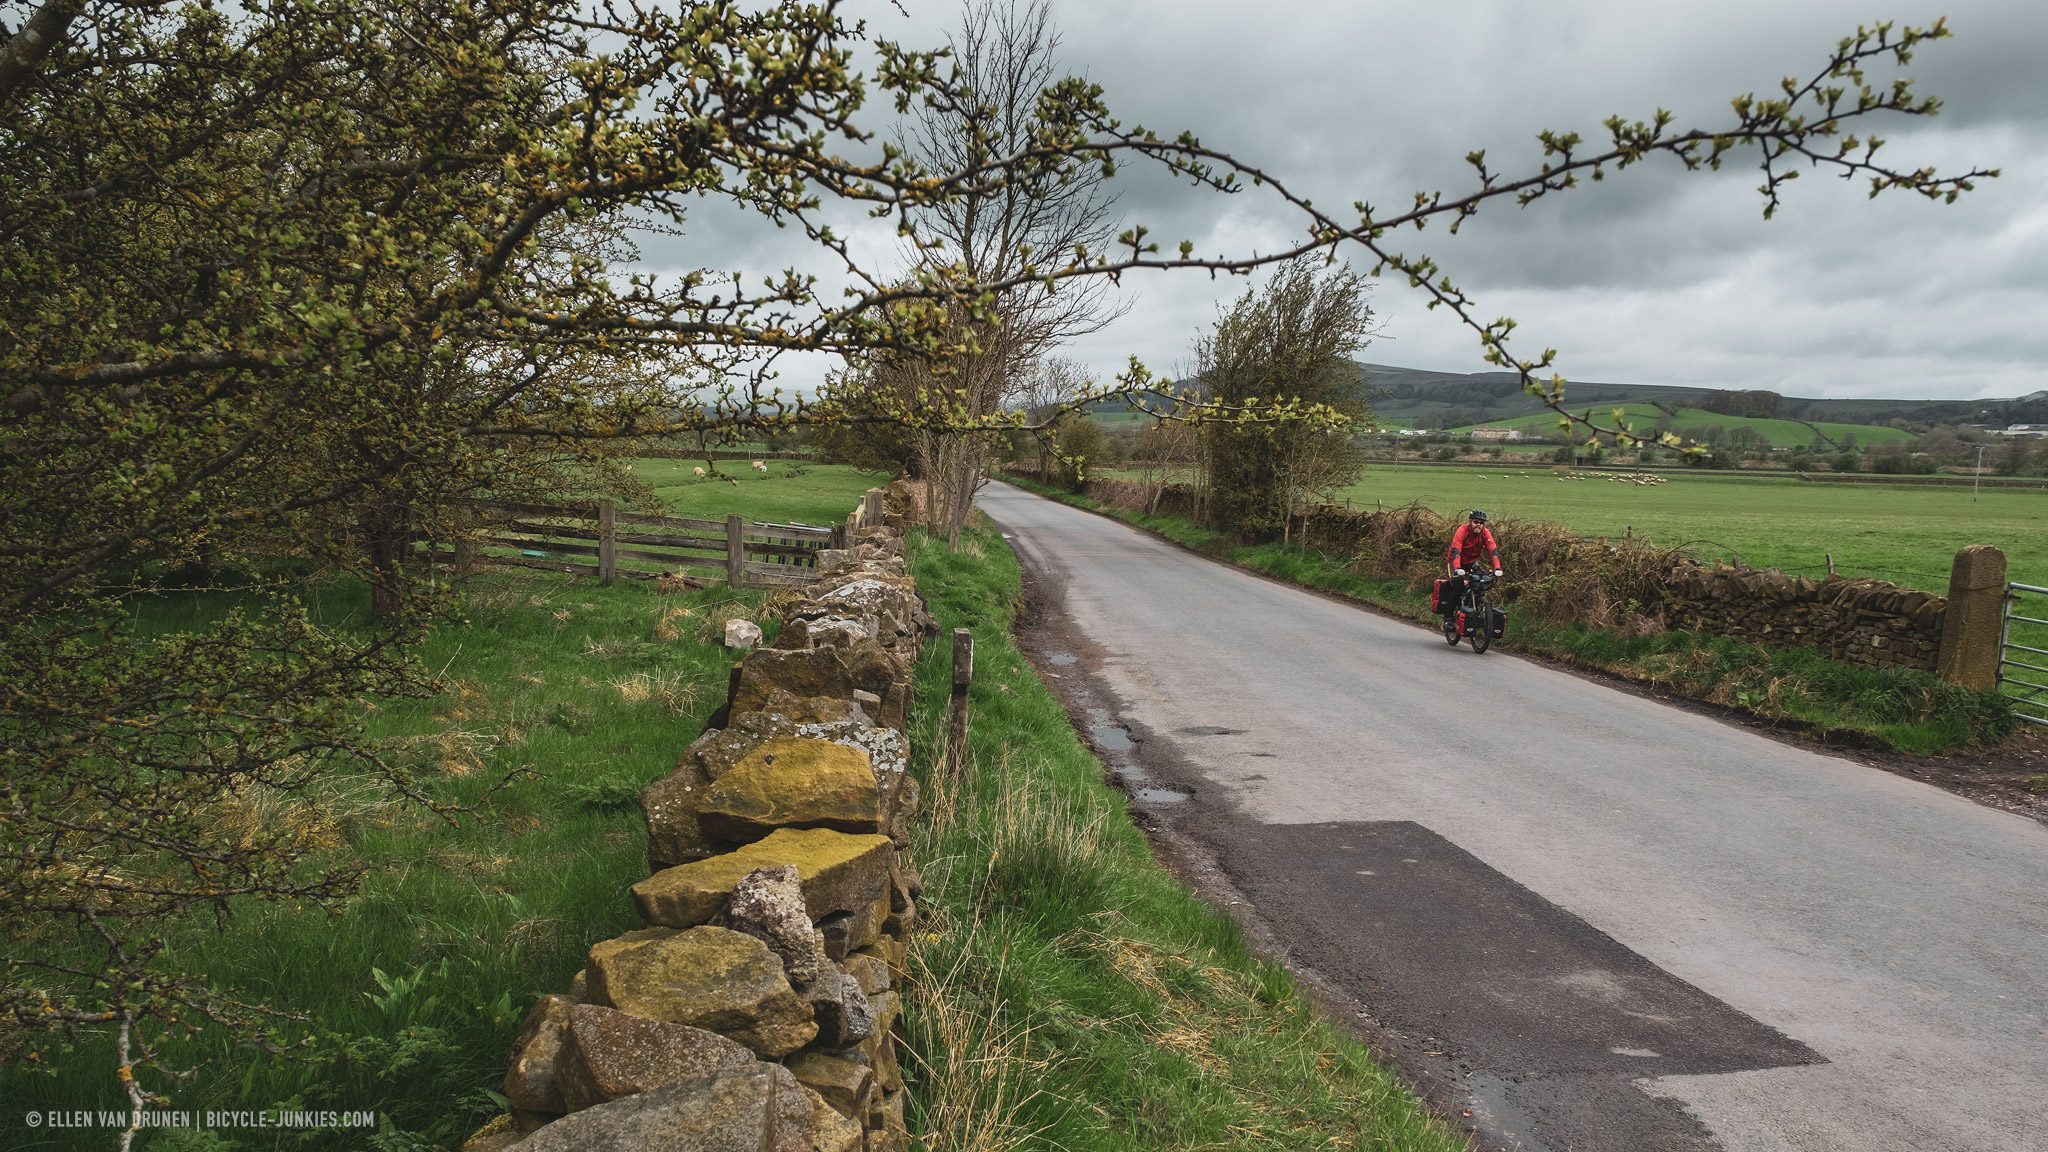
(2023,652)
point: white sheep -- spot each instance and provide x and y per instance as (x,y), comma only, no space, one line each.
(698,472)
(761,466)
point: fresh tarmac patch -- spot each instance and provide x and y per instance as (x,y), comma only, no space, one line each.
(1553,1020)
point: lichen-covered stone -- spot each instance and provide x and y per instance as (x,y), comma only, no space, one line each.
(612,1054)
(804,1122)
(712,978)
(891,601)
(886,1130)
(848,1087)
(495,1136)
(870,969)
(718,749)
(840,1008)
(835,672)
(792,783)
(894,954)
(839,872)
(848,932)
(825,631)
(532,1081)
(734,1110)
(670,805)
(768,904)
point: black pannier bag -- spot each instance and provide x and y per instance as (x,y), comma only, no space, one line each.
(1496,622)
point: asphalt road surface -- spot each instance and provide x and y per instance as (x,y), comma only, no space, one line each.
(1595,920)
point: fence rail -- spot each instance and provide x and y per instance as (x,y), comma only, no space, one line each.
(2023,652)
(598,540)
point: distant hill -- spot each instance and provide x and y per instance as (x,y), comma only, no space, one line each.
(1421,398)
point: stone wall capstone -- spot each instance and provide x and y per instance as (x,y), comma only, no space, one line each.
(761,1007)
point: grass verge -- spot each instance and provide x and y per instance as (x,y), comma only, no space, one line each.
(1070,993)
(412,989)
(1904,711)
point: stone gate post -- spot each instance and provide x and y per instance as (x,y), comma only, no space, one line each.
(1970,626)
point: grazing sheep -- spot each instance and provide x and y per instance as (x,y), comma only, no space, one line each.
(698,472)
(760,466)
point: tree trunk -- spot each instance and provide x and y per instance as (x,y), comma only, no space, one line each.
(386,546)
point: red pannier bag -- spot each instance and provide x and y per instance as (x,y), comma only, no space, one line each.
(1436,596)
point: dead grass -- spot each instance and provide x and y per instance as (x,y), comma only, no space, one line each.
(609,648)
(971,1076)
(665,629)
(672,691)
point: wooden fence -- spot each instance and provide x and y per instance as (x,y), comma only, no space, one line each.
(599,540)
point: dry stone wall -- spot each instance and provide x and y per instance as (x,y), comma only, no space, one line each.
(760,1007)
(1562,577)
(1867,622)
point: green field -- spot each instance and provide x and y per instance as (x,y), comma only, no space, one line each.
(790,492)
(1904,533)
(1691,421)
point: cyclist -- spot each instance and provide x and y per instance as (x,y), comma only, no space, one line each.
(1471,544)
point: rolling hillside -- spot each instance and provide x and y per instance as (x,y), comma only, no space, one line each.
(1420,398)
(1690,421)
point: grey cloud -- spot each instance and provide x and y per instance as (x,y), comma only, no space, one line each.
(1655,275)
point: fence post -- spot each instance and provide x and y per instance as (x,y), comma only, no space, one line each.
(465,555)
(735,551)
(963,679)
(1970,625)
(607,541)
(838,536)
(874,506)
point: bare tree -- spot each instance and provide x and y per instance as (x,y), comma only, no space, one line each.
(996,231)
(1042,389)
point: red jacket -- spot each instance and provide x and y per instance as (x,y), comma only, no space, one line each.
(1470,544)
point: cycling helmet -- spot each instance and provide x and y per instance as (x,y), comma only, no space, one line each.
(1478,517)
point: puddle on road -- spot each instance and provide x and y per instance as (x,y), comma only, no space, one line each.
(1161,796)
(1111,737)
(1499,1117)
(1062,658)
(1212,730)
(1116,744)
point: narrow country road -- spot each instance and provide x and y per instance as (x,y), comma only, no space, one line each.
(1597,921)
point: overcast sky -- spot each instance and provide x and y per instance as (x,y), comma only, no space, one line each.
(1657,276)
